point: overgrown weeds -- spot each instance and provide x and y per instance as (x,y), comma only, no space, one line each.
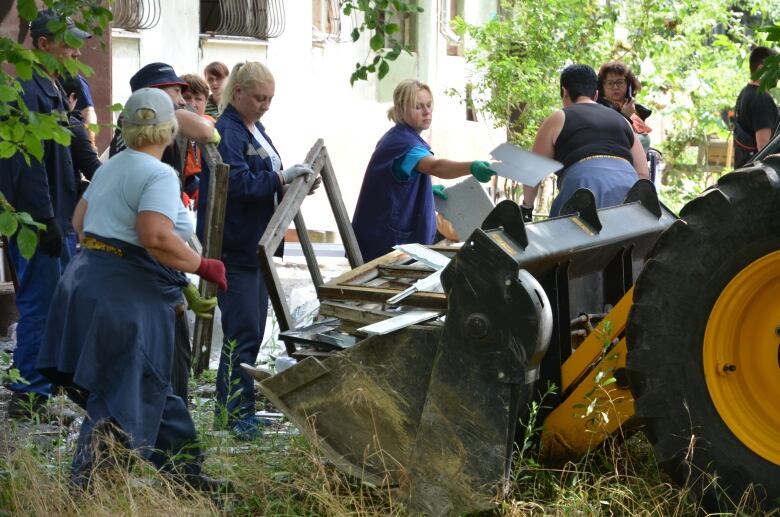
(283,474)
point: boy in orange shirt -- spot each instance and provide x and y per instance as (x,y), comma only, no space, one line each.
(195,96)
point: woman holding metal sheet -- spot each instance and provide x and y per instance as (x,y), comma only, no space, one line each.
(254,187)
(395,205)
(109,336)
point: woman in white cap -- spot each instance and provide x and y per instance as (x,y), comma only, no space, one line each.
(109,336)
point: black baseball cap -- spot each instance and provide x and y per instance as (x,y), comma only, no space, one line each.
(156,75)
(40,25)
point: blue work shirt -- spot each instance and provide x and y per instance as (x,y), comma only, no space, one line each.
(394,208)
(253,190)
(45,189)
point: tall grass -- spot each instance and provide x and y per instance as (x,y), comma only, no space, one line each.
(285,475)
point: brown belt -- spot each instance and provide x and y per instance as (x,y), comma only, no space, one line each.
(604,156)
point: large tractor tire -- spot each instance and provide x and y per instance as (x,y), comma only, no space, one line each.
(704,342)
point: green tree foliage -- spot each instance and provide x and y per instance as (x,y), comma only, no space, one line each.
(378,20)
(23,131)
(690,56)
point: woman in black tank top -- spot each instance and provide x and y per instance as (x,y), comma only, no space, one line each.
(596,145)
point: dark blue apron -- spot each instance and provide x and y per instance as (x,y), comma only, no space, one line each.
(390,211)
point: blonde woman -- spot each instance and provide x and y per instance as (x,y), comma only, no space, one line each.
(395,205)
(255,184)
(109,335)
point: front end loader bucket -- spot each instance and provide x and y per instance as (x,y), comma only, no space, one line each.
(431,411)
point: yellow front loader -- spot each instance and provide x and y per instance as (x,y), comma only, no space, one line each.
(640,319)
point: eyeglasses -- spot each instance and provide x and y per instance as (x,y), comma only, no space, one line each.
(615,84)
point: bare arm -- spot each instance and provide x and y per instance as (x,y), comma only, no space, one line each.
(78,218)
(90,118)
(544,145)
(155,232)
(640,159)
(195,127)
(762,137)
(441,168)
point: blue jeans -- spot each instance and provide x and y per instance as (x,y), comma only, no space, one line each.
(38,278)
(244,309)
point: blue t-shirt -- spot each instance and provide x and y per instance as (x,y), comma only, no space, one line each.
(84,99)
(129,183)
(406,167)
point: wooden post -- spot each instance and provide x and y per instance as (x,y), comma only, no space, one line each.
(346,231)
(212,248)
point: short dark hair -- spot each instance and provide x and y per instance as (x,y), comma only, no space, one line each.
(579,81)
(217,68)
(757,56)
(617,68)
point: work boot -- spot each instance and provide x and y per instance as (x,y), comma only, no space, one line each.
(26,405)
(249,428)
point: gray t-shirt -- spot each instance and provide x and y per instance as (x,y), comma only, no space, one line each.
(129,183)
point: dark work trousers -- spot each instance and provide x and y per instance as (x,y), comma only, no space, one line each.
(244,309)
(182,357)
(175,450)
(38,278)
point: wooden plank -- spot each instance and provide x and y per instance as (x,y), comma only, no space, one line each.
(424,300)
(343,221)
(276,293)
(368,271)
(285,213)
(212,248)
(353,313)
(184,144)
(308,250)
(401,271)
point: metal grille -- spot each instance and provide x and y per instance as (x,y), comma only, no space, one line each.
(262,19)
(136,15)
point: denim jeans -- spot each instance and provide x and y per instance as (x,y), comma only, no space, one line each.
(38,279)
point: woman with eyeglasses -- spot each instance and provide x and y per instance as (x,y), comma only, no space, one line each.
(617,87)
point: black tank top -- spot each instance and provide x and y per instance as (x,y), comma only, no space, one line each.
(591,129)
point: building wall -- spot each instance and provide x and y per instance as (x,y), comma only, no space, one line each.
(313,96)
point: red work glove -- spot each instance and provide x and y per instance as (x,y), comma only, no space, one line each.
(213,270)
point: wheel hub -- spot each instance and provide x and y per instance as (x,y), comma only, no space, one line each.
(741,356)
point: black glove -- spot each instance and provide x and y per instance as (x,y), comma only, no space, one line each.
(50,239)
(527,213)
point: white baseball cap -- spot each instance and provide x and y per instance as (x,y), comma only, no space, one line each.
(152,99)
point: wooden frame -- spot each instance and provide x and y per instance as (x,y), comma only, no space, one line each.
(289,211)
(212,248)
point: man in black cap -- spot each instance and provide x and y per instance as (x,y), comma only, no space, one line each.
(192,126)
(48,191)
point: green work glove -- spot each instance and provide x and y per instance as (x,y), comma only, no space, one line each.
(216,138)
(202,307)
(482,171)
(438,190)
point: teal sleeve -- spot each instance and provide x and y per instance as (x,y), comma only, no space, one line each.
(405,168)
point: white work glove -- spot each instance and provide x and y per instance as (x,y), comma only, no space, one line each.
(290,173)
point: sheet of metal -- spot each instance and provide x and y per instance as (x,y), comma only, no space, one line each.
(519,165)
(466,206)
(404,320)
(432,259)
